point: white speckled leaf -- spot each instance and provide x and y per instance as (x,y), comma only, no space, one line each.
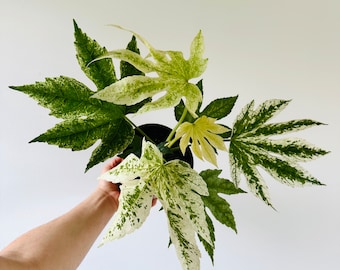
(183,238)
(178,188)
(126,171)
(134,207)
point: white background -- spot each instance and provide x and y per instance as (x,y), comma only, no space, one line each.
(256,49)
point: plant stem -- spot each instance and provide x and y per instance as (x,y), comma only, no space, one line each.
(138,129)
(169,140)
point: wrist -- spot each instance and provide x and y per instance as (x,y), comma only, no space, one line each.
(108,197)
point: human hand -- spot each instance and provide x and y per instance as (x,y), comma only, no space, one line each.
(111,188)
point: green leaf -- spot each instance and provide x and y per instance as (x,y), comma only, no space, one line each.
(174,74)
(86,120)
(102,72)
(126,69)
(218,206)
(219,108)
(67,98)
(117,138)
(252,147)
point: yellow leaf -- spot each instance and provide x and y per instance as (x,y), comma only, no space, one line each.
(204,137)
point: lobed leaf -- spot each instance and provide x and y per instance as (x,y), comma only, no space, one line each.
(102,73)
(209,247)
(86,120)
(219,108)
(251,147)
(131,90)
(134,207)
(118,137)
(250,119)
(180,187)
(284,127)
(183,238)
(204,137)
(174,74)
(67,98)
(293,148)
(218,206)
(126,69)
(286,171)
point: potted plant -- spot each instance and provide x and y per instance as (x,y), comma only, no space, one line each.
(158,160)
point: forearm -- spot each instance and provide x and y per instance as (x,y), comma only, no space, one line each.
(63,242)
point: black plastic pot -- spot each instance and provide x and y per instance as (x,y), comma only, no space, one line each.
(157,134)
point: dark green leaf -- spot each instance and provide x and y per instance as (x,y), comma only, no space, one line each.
(76,134)
(219,108)
(118,137)
(218,206)
(126,69)
(101,72)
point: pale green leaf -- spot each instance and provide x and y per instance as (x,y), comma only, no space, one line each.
(178,185)
(174,73)
(131,90)
(130,57)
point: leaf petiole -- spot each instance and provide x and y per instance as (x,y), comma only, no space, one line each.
(138,129)
(169,140)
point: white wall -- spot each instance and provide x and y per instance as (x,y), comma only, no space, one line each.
(258,49)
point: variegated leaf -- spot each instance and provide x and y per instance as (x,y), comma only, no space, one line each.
(179,186)
(134,207)
(183,237)
(246,166)
(283,127)
(174,74)
(251,146)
